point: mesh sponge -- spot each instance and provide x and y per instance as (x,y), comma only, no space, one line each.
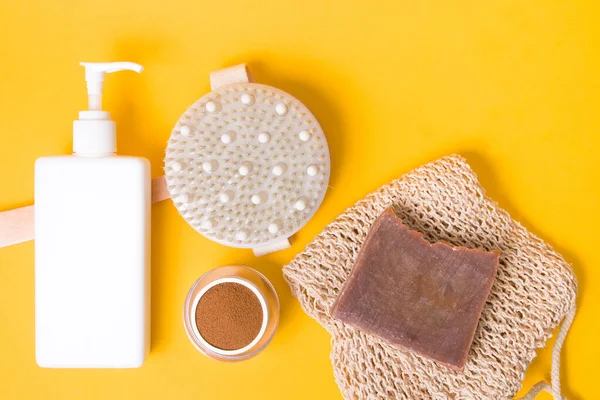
(247,165)
(535,288)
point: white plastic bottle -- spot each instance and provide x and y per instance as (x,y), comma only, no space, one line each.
(92,246)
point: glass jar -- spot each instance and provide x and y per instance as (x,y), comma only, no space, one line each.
(253,280)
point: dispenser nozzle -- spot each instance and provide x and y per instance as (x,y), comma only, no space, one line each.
(94,76)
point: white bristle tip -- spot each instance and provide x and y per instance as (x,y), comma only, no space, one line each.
(183,198)
(228,137)
(281,109)
(241,235)
(278,170)
(211,106)
(209,166)
(245,168)
(208,224)
(176,166)
(312,170)
(264,137)
(273,228)
(304,136)
(226,197)
(185,130)
(300,205)
(256,199)
(247,99)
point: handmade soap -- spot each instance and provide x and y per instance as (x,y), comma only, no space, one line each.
(424,297)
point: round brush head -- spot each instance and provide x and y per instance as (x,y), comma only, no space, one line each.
(247,165)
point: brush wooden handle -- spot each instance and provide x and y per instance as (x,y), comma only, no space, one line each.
(16,226)
(159,189)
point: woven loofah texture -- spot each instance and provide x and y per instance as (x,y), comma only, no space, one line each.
(534,289)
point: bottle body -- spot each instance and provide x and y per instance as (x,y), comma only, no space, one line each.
(92,261)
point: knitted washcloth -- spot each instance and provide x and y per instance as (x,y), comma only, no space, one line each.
(534,290)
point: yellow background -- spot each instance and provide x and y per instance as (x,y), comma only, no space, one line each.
(514,85)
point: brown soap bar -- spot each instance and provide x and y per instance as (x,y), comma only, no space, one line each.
(425,297)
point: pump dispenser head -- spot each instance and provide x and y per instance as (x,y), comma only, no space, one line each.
(94,134)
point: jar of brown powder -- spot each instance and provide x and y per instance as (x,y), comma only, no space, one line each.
(231,313)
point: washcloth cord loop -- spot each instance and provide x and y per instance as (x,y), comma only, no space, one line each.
(554,389)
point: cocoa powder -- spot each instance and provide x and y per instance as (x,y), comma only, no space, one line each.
(229,316)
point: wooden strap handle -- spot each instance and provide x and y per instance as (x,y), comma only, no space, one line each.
(227,76)
(16,226)
(159,189)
